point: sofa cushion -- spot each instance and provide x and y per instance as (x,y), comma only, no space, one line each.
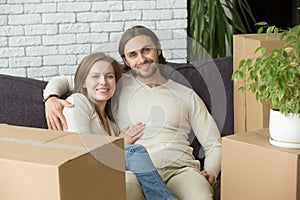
(21,101)
(211,80)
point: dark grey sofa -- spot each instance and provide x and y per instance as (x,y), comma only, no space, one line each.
(21,99)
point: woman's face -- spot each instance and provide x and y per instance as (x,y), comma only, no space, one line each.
(100,82)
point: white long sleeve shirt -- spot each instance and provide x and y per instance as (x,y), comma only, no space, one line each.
(83,118)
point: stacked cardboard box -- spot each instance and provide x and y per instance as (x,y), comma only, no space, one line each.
(252,168)
(248,113)
(40,164)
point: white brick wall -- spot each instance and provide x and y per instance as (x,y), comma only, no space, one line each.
(45,38)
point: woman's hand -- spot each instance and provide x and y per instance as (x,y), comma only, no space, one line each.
(53,110)
(132,133)
(211,179)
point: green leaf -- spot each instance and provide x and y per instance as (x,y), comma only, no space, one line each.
(242,89)
(242,62)
(294,64)
(235,76)
(288,49)
(297,49)
(261,23)
(269,31)
(267,95)
(280,94)
(245,9)
(261,48)
(260,30)
(282,35)
(290,39)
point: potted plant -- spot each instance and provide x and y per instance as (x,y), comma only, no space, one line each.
(276,78)
(212,23)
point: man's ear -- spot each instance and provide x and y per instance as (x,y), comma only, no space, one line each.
(158,52)
(125,61)
(158,48)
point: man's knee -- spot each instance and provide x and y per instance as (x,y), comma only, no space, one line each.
(200,193)
(191,185)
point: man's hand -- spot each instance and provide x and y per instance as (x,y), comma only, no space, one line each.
(53,110)
(211,179)
(132,133)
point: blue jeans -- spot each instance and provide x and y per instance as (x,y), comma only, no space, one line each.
(137,160)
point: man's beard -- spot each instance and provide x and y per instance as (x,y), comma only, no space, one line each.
(153,69)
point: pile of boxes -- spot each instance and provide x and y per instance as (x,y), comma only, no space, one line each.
(252,168)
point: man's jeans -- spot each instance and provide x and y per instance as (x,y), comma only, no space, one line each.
(137,160)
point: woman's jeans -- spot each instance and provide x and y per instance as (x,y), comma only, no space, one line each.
(137,160)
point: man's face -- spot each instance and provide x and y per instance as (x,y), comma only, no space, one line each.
(141,55)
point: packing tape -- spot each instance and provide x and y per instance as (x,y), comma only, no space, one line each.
(43,144)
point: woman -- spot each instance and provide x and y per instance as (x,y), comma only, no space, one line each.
(95,82)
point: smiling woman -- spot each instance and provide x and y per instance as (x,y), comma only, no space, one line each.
(95,83)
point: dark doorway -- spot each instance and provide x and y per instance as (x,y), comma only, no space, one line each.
(283,14)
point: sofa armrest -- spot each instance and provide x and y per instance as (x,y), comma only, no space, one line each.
(22,101)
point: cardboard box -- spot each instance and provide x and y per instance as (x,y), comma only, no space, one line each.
(40,164)
(249,114)
(254,169)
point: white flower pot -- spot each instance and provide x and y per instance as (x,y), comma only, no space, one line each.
(284,130)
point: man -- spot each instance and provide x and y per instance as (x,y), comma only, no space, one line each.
(170,111)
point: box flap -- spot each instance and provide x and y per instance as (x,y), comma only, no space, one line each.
(260,139)
(260,37)
(37,134)
(38,153)
(46,146)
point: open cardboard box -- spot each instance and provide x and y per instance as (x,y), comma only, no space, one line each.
(40,164)
(249,114)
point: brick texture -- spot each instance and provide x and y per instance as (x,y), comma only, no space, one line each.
(45,38)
